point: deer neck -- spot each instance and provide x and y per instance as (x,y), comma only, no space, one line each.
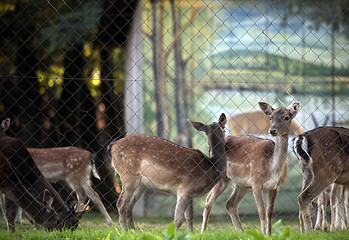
(280,154)
(33,208)
(218,158)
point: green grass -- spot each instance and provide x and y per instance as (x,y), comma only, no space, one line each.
(93,227)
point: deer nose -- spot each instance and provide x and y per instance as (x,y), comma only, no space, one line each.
(272,132)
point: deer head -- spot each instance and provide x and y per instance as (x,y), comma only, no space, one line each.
(280,118)
(4,126)
(215,138)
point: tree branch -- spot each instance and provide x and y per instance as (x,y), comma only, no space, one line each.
(178,34)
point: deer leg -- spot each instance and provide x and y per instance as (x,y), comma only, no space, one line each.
(2,204)
(308,175)
(270,210)
(135,197)
(341,215)
(333,206)
(314,212)
(232,205)
(19,215)
(304,201)
(216,191)
(305,198)
(123,205)
(319,216)
(324,211)
(301,221)
(346,206)
(189,215)
(258,197)
(335,202)
(10,213)
(321,222)
(96,200)
(181,207)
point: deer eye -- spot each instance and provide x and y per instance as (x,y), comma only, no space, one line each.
(287,118)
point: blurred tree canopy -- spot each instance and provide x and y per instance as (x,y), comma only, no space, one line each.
(333,13)
(62,74)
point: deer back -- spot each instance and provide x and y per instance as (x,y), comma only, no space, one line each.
(62,163)
(166,166)
(247,156)
(160,163)
(325,147)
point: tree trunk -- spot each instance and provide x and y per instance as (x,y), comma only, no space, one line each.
(158,81)
(111,129)
(163,93)
(113,33)
(28,95)
(179,80)
(68,107)
(88,120)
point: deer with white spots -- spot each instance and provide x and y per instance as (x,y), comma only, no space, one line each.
(144,161)
(324,155)
(72,165)
(257,164)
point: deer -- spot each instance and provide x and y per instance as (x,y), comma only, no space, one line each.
(335,195)
(256,122)
(257,164)
(324,156)
(29,175)
(144,161)
(40,212)
(72,165)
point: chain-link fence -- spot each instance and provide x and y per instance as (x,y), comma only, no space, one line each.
(83,73)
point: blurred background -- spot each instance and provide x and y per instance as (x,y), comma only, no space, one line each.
(82,73)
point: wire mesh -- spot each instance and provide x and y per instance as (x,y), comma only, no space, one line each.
(84,73)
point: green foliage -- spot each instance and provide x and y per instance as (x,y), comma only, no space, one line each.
(280,234)
(169,234)
(320,13)
(89,230)
(277,233)
(258,60)
(78,21)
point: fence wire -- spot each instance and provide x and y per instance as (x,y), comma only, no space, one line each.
(84,73)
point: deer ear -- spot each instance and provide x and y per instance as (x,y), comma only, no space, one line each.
(295,109)
(198,125)
(266,108)
(5,124)
(48,199)
(72,201)
(222,120)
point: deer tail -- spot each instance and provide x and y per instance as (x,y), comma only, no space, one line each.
(301,147)
(110,146)
(112,143)
(93,165)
